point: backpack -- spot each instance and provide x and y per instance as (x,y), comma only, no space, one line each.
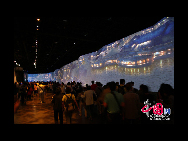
(69,104)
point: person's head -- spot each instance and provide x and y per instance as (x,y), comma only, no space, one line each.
(92,82)
(98,83)
(129,87)
(68,90)
(117,83)
(68,83)
(166,90)
(106,86)
(144,88)
(58,91)
(122,81)
(132,83)
(72,83)
(112,85)
(85,89)
(89,88)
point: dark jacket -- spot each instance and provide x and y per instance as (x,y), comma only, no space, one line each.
(57,102)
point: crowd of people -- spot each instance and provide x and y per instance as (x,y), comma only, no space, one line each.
(114,103)
(24,91)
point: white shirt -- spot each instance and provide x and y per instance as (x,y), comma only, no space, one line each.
(89,97)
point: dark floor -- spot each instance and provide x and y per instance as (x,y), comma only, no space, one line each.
(35,112)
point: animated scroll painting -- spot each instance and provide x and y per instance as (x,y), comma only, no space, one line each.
(146,57)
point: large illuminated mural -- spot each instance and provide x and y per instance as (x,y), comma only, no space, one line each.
(146,57)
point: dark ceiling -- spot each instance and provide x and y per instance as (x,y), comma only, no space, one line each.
(62,40)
